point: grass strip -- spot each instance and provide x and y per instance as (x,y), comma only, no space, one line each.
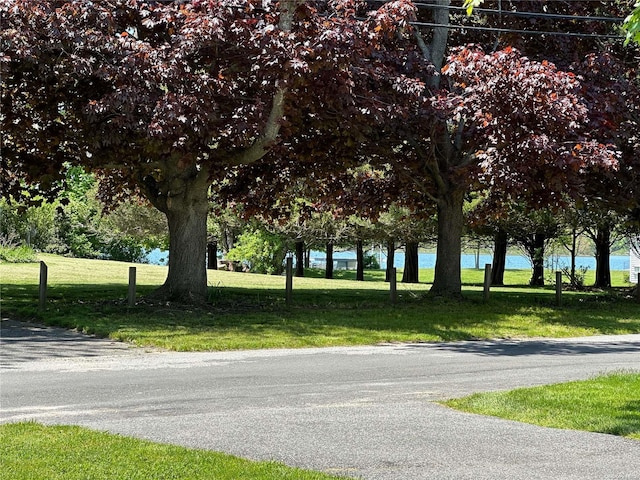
(30,451)
(248,311)
(605,404)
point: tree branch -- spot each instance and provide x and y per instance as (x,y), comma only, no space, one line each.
(272,128)
(434,52)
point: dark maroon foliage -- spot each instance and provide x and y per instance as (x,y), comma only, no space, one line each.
(164,96)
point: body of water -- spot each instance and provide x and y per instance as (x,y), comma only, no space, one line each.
(158,257)
(513,262)
(428,260)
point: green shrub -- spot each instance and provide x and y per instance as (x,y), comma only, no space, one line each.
(125,249)
(371,262)
(20,254)
(263,251)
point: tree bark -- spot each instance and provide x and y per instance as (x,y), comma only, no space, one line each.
(228,239)
(411,263)
(537,258)
(447,281)
(212,256)
(328,272)
(182,194)
(435,50)
(187,220)
(391,253)
(299,258)
(359,261)
(500,244)
(574,252)
(603,257)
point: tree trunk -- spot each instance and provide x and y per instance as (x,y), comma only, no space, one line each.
(183,196)
(574,252)
(359,261)
(228,240)
(307,258)
(299,258)
(500,244)
(434,52)
(537,258)
(447,281)
(212,256)
(328,273)
(187,276)
(411,263)
(391,254)
(603,257)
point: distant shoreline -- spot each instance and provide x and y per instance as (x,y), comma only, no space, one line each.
(468,260)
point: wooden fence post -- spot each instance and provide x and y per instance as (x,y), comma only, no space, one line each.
(132,286)
(289,282)
(487,281)
(393,284)
(558,288)
(44,270)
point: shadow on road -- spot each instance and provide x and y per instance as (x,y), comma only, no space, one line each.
(514,348)
(26,342)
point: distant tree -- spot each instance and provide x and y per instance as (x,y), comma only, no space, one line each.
(30,225)
(533,231)
(138,220)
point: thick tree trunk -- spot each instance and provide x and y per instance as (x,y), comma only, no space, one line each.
(447,281)
(187,220)
(299,258)
(359,261)
(411,263)
(537,258)
(603,257)
(328,272)
(500,244)
(183,196)
(391,254)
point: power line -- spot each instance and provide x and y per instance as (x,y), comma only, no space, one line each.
(556,16)
(514,30)
(581,18)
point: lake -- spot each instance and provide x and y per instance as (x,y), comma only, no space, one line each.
(428,260)
(513,262)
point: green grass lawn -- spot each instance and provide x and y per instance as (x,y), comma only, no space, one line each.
(605,404)
(249,311)
(29,451)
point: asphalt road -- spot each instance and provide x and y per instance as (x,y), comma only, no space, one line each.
(364,412)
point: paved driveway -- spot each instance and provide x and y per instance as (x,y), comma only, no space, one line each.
(365,412)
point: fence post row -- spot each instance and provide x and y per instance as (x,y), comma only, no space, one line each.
(43,285)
